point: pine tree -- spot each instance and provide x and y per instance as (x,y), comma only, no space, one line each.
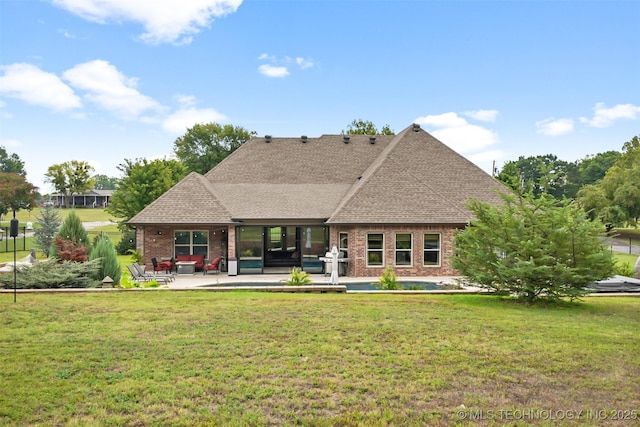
(49,221)
(109,265)
(532,248)
(73,230)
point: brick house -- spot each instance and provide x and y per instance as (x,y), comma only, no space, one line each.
(277,203)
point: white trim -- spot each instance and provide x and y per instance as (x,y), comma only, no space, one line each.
(382,264)
(396,250)
(438,251)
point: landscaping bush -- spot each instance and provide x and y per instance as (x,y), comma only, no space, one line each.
(109,265)
(53,274)
(127,242)
(387,280)
(298,278)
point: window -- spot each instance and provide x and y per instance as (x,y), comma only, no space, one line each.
(191,243)
(403,249)
(343,239)
(432,250)
(375,250)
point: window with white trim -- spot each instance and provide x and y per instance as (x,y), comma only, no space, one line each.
(191,243)
(343,242)
(375,250)
(431,255)
(403,249)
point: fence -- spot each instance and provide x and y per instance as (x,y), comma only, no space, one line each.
(25,241)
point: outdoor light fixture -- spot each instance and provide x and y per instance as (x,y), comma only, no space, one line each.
(159,232)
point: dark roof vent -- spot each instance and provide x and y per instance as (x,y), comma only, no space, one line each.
(267,138)
(304,138)
(372,140)
(346,139)
(416,127)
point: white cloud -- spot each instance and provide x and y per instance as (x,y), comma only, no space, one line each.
(186,100)
(178,122)
(442,120)
(304,63)
(66,33)
(604,117)
(555,127)
(165,21)
(483,115)
(35,86)
(110,89)
(457,133)
(273,71)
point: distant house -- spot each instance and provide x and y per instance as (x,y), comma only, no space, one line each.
(277,203)
(89,199)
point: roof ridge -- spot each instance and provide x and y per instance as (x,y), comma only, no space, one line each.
(208,185)
(370,171)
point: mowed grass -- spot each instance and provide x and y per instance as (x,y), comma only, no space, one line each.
(242,358)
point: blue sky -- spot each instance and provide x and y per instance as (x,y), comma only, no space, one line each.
(103,81)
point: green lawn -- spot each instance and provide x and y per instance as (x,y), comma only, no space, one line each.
(86,215)
(240,358)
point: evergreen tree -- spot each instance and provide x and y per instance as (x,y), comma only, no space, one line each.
(49,221)
(532,248)
(109,265)
(72,230)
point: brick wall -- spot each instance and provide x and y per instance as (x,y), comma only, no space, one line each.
(358,249)
(158,241)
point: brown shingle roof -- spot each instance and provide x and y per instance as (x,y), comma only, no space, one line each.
(409,178)
(191,201)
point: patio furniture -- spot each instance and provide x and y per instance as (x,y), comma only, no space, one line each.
(161,266)
(199,260)
(186,267)
(143,272)
(137,277)
(214,265)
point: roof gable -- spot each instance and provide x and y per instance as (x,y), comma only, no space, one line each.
(417,179)
(191,201)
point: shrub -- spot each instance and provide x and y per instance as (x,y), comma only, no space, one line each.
(126,282)
(68,250)
(52,274)
(127,242)
(72,230)
(298,278)
(109,265)
(387,280)
(624,269)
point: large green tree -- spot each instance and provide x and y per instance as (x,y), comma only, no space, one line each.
(366,127)
(104,182)
(532,248)
(143,181)
(538,175)
(70,178)
(615,199)
(11,163)
(206,145)
(16,193)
